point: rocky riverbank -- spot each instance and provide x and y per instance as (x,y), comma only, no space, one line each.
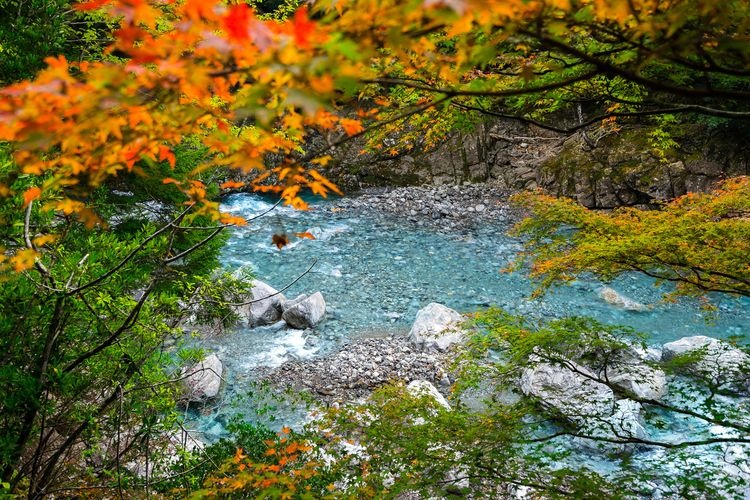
(444,208)
(356,369)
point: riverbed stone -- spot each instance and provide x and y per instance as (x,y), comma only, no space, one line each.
(357,368)
(615,298)
(306,313)
(287,303)
(202,381)
(436,327)
(719,363)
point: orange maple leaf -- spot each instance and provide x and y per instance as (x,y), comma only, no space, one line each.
(351,127)
(30,195)
(306,234)
(90,5)
(231,185)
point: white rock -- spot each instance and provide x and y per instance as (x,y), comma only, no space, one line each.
(419,388)
(202,381)
(572,390)
(436,327)
(612,296)
(721,363)
(642,381)
(305,313)
(632,370)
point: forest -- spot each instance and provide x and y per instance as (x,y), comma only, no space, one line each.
(375,249)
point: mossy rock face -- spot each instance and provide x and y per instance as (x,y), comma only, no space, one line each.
(617,169)
(623,169)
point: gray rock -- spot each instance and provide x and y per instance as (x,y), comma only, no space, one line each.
(287,303)
(573,391)
(202,381)
(719,362)
(265,312)
(632,370)
(305,313)
(436,327)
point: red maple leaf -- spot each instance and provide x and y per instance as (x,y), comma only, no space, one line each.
(236,22)
(303,27)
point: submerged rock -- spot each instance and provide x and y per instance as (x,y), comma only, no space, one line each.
(305,313)
(202,381)
(436,327)
(719,363)
(612,296)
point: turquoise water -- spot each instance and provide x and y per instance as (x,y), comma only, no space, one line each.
(376,272)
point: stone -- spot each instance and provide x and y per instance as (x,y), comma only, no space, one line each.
(436,327)
(265,312)
(287,303)
(202,381)
(419,388)
(573,391)
(612,296)
(718,362)
(305,313)
(641,381)
(632,370)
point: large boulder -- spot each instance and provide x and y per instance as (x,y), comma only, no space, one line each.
(577,396)
(719,363)
(202,381)
(436,327)
(268,308)
(305,313)
(632,370)
(287,303)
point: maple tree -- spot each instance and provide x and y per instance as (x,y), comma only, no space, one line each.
(198,69)
(701,242)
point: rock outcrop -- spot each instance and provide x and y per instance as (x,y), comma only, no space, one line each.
(719,363)
(577,396)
